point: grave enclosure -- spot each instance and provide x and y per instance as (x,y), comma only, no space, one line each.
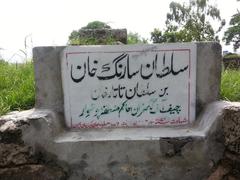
(128,111)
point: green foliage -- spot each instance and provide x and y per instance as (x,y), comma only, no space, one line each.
(157,36)
(135,38)
(2,62)
(16,87)
(231,56)
(189,22)
(230,85)
(232,34)
(75,37)
(96,25)
(92,41)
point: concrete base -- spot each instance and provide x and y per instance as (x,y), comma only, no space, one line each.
(142,153)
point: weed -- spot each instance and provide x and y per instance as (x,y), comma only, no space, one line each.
(16,87)
(230,85)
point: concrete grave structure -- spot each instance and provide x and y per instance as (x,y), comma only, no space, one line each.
(130,152)
(119,36)
(187,151)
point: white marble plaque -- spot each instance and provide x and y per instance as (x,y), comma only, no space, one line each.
(129,85)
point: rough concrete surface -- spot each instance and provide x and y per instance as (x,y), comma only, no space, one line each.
(198,153)
(229,166)
(209,58)
(48,79)
(18,160)
(31,172)
(231,127)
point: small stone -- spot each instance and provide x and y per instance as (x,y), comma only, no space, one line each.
(219,173)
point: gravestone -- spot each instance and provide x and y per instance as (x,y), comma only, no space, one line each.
(129,86)
(128,111)
(48,76)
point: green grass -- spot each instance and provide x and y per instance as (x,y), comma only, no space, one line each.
(230,85)
(16,87)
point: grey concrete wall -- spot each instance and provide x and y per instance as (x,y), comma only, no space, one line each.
(209,58)
(49,93)
(48,81)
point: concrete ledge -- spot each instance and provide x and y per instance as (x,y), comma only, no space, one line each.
(143,153)
(201,130)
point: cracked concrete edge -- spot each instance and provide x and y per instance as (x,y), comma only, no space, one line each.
(32,120)
(206,122)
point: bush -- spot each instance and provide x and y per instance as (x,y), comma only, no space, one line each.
(231,56)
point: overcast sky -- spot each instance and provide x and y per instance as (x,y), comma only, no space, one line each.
(50,22)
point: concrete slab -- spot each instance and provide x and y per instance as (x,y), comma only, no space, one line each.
(147,153)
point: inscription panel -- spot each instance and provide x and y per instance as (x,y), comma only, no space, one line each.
(129,85)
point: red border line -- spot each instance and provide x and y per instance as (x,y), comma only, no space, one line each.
(89,52)
(189,84)
(189,73)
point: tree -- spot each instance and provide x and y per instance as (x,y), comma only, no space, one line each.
(190,22)
(96,25)
(81,37)
(158,36)
(74,36)
(135,38)
(232,34)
